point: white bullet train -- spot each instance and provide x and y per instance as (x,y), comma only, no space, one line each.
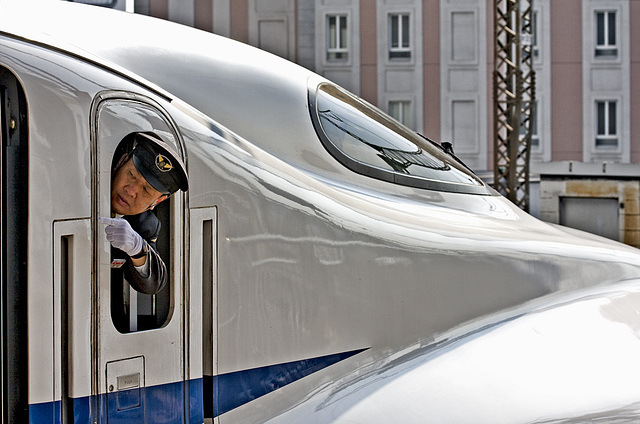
(327,264)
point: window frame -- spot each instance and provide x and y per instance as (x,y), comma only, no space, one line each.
(609,139)
(606,49)
(340,51)
(399,52)
(434,151)
(162,304)
(535,44)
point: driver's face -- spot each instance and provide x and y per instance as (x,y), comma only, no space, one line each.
(131,194)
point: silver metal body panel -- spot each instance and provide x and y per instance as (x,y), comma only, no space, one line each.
(311,258)
(562,359)
(59,93)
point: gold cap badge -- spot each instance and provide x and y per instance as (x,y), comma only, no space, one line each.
(163,163)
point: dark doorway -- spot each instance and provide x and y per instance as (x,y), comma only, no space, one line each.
(14,176)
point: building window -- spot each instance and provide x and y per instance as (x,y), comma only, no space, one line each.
(399,38)
(534,35)
(606,44)
(535,136)
(531,123)
(337,39)
(401,111)
(606,124)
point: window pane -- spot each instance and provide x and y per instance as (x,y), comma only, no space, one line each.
(401,111)
(612,119)
(343,32)
(332,31)
(369,142)
(534,120)
(601,111)
(534,29)
(405,31)
(535,139)
(600,29)
(394,109)
(607,142)
(395,42)
(612,28)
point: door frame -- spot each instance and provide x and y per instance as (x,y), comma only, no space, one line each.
(112,351)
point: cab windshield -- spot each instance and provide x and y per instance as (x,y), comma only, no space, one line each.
(369,142)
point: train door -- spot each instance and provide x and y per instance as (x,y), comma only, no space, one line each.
(13,229)
(139,353)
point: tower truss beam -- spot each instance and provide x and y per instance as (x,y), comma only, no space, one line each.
(513,98)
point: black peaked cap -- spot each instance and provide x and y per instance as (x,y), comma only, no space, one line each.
(158,163)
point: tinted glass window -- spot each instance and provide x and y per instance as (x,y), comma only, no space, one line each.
(370,142)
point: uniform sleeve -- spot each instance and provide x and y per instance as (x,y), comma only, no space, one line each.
(156,279)
(148,226)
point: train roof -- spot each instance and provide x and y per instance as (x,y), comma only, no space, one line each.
(202,69)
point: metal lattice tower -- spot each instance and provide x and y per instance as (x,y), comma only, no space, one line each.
(513,98)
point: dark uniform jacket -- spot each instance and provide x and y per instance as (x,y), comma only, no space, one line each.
(148,226)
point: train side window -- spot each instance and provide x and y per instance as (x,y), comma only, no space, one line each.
(131,310)
(371,143)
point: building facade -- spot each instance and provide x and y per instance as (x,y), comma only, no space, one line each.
(429,63)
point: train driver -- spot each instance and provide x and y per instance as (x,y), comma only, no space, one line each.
(146,171)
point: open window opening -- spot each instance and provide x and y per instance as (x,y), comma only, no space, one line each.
(131,309)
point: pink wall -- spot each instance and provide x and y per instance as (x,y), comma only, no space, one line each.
(431,69)
(159,9)
(240,20)
(566,80)
(368,51)
(203,11)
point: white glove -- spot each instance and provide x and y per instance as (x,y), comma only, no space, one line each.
(122,236)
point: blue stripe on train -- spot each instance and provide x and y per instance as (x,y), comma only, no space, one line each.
(165,404)
(225,392)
